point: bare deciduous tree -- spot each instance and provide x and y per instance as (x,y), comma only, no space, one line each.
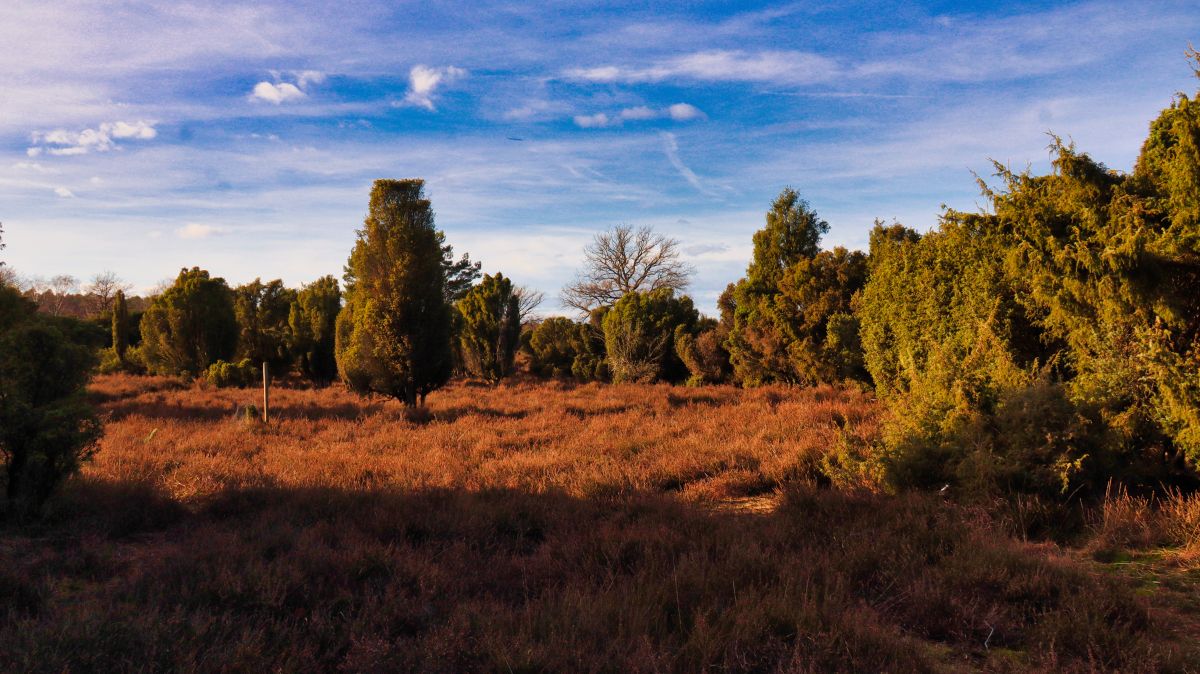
(103,290)
(59,289)
(528,300)
(624,260)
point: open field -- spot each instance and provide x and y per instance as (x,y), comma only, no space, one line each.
(552,527)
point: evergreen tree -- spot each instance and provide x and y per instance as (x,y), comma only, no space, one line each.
(312,323)
(639,333)
(552,346)
(262,311)
(393,334)
(120,326)
(491,328)
(461,274)
(759,344)
(190,325)
(46,426)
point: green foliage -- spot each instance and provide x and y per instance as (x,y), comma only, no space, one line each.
(811,293)
(241,374)
(793,233)
(639,334)
(262,311)
(460,274)
(120,326)
(552,346)
(393,335)
(190,325)
(780,327)
(490,329)
(46,427)
(1052,344)
(312,326)
(702,352)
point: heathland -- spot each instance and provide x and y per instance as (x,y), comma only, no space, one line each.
(556,526)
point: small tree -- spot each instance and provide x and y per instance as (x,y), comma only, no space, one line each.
(262,311)
(552,346)
(491,328)
(758,343)
(102,290)
(460,274)
(393,335)
(190,325)
(703,352)
(639,335)
(120,326)
(625,260)
(46,426)
(312,322)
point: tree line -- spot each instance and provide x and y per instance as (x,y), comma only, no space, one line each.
(1048,344)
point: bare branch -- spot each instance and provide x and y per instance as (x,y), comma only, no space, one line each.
(624,260)
(103,290)
(528,300)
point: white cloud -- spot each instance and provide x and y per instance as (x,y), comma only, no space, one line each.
(776,67)
(307,77)
(64,192)
(195,230)
(679,112)
(423,81)
(639,113)
(138,130)
(276,93)
(33,167)
(281,92)
(682,112)
(598,120)
(61,142)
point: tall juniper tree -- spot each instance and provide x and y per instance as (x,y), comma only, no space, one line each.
(393,335)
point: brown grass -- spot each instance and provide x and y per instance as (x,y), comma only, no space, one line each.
(533,527)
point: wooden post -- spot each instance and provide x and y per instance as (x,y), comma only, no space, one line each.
(266,394)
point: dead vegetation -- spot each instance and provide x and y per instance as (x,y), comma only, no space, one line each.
(546,527)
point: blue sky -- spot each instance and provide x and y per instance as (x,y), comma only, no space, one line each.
(141,137)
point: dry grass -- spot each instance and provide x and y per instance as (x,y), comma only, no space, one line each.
(534,527)
(534,437)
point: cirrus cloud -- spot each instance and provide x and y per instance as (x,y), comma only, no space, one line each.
(776,67)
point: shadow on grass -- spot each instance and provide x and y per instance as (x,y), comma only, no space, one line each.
(316,579)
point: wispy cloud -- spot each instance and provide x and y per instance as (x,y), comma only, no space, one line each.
(671,148)
(780,67)
(679,112)
(195,230)
(423,81)
(64,192)
(63,142)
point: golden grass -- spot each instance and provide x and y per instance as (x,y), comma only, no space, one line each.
(710,443)
(535,527)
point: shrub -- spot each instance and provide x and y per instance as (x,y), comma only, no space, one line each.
(552,346)
(223,374)
(190,325)
(490,329)
(262,311)
(46,427)
(639,333)
(703,352)
(312,324)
